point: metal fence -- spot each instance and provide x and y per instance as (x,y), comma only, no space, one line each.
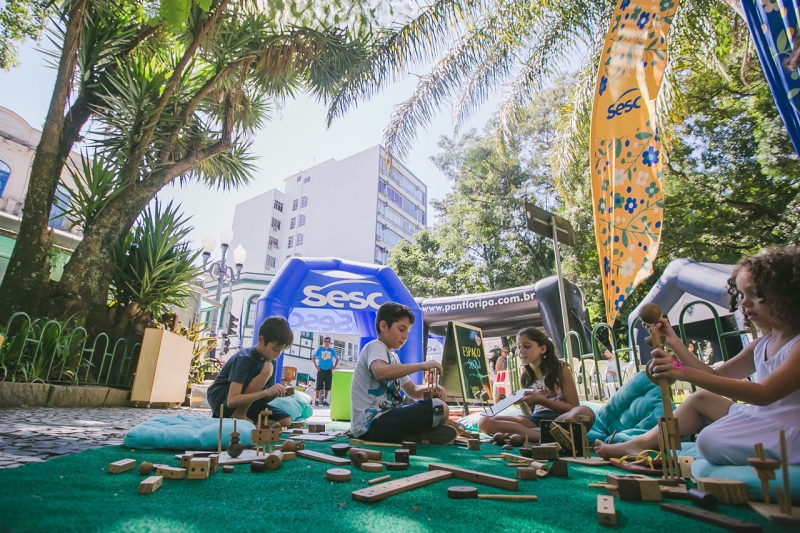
(46,352)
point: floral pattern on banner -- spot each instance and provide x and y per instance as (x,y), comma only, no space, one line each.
(626,156)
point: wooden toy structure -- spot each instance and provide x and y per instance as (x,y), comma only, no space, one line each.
(263,435)
(433,383)
(669,439)
(765,468)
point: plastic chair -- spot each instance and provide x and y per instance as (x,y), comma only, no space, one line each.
(501,384)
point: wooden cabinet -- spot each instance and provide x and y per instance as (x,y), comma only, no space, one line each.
(163,369)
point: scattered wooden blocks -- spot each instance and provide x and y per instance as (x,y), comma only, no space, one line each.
(274,460)
(150,485)
(396,466)
(559,468)
(371,467)
(478,477)
(473,444)
(185,459)
(527,474)
(227,469)
(340,450)
(358,458)
(372,455)
(606,514)
(543,453)
(124,465)
(199,468)
(258,466)
(322,457)
(214,463)
(650,490)
(289,446)
(338,474)
(288,456)
(170,472)
(411,447)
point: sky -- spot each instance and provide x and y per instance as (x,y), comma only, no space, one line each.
(295,140)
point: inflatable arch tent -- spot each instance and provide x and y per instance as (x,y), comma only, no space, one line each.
(507,311)
(684,281)
(346,287)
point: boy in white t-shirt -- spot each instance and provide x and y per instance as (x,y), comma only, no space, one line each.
(376,412)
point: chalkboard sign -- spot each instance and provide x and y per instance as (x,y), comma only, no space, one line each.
(464,363)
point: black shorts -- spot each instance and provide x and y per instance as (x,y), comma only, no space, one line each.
(542,414)
(324,379)
(252,413)
(394,425)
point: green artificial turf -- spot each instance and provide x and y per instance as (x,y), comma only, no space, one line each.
(74,493)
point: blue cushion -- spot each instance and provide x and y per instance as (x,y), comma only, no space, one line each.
(298,405)
(180,432)
(633,410)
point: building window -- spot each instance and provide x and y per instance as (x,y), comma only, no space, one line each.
(273,244)
(394,196)
(291,242)
(302,221)
(276,224)
(299,239)
(5,172)
(308,178)
(304,201)
(294,204)
(293,223)
(270,262)
(381,257)
(382,187)
(250,315)
(278,205)
(59,207)
(391,238)
(299,178)
(338,347)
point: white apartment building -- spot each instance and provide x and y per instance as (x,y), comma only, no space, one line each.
(358,209)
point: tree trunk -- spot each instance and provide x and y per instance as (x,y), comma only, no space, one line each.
(84,286)
(27,277)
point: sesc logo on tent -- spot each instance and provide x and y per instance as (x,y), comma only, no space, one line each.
(346,295)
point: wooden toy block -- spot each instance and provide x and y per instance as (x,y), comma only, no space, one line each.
(124,465)
(680,492)
(478,477)
(340,450)
(396,466)
(773,513)
(466,493)
(258,466)
(316,428)
(559,468)
(379,479)
(765,469)
(199,468)
(514,458)
(288,446)
(728,491)
(294,425)
(288,456)
(214,463)
(606,514)
(265,435)
(274,460)
(170,472)
(712,518)
(473,444)
(703,499)
(227,469)
(625,487)
(587,461)
(544,453)
(263,419)
(527,474)
(358,458)
(322,457)
(411,447)
(146,468)
(150,485)
(562,437)
(401,456)
(372,455)
(361,442)
(390,488)
(685,464)
(338,474)
(185,459)
(371,467)
(650,490)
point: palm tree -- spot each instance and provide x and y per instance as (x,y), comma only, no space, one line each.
(515,47)
(166,105)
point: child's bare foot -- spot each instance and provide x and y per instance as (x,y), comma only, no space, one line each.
(615,451)
(241,414)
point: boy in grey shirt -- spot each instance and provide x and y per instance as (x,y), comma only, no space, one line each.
(376,412)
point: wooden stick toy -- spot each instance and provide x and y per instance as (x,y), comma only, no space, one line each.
(235,447)
(379,479)
(466,493)
(384,490)
(478,477)
(219,438)
(670,437)
(765,468)
(323,457)
(785,495)
(712,518)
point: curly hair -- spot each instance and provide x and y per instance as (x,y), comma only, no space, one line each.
(550,367)
(776,275)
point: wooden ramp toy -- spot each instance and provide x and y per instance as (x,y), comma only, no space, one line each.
(478,477)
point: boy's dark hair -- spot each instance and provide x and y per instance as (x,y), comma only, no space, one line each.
(391,312)
(550,367)
(276,329)
(776,275)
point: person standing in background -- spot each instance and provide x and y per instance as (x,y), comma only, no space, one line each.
(325,361)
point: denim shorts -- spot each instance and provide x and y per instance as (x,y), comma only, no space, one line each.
(394,425)
(542,414)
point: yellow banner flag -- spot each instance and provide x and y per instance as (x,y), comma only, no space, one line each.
(626,155)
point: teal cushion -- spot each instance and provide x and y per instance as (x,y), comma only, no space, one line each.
(633,410)
(298,405)
(702,468)
(180,432)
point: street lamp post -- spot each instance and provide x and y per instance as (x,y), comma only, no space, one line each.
(219,270)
